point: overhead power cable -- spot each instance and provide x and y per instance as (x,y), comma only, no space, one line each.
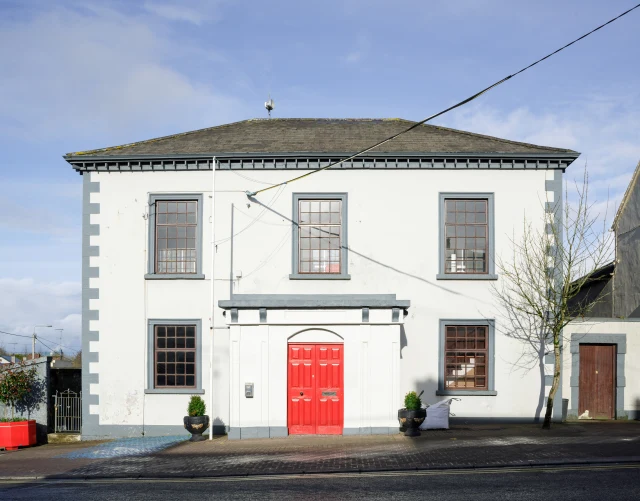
(45,345)
(38,338)
(254,221)
(16,335)
(56,342)
(461,103)
(250,178)
(53,350)
(261,222)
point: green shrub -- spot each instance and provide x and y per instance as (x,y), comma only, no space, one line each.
(196,406)
(412,401)
(19,384)
(12,420)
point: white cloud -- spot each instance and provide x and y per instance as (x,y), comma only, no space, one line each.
(22,217)
(353,57)
(26,302)
(175,12)
(45,211)
(360,51)
(99,73)
(434,10)
(605,129)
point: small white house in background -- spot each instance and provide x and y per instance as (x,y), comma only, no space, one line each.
(601,354)
(333,295)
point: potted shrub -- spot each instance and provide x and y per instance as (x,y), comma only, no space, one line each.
(18,384)
(413,415)
(197,421)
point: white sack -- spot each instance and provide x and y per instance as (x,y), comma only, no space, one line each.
(437,416)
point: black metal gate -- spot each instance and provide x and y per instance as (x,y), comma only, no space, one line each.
(68,412)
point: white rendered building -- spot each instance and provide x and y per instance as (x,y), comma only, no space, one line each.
(333,295)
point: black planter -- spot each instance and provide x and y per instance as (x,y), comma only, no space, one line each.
(410,421)
(196,426)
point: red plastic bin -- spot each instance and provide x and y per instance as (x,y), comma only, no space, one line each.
(17,434)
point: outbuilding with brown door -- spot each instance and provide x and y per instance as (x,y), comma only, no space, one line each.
(597,375)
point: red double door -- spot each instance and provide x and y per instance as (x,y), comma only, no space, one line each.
(315,389)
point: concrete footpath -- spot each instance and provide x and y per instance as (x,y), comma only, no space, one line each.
(461,447)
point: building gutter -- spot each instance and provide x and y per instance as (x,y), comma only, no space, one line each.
(392,154)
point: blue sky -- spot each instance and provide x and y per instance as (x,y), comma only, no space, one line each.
(80,75)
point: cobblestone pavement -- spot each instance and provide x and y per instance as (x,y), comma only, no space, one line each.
(459,447)
(38,462)
(125,447)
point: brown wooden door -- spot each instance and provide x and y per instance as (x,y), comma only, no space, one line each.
(597,380)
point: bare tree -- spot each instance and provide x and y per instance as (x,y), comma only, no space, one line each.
(540,281)
(77,359)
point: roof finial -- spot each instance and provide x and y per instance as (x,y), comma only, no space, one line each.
(269,105)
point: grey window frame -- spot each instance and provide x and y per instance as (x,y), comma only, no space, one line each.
(490,324)
(151,271)
(491,271)
(150,386)
(344,254)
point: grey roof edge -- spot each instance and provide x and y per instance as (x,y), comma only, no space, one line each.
(311,301)
(625,197)
(605,270)
(155,139)
(394,154)
(500,139)
(95,151)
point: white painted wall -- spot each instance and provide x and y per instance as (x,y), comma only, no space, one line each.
(393,234)
(371,366)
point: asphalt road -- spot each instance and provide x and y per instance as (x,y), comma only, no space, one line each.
(566,483)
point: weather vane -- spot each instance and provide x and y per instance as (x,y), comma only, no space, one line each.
(269,105)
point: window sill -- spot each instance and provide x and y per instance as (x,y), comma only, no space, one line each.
(177,391)
(467,393)
(466,276)
(174,276)
(318,276)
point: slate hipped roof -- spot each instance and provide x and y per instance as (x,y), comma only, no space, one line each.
(320,135)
